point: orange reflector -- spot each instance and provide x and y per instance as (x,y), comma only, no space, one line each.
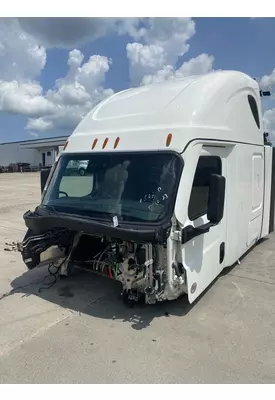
(105,143)
(116,142)
(168,139)
(94,143)
(66,144)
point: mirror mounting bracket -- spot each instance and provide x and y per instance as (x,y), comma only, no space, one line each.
(189,232)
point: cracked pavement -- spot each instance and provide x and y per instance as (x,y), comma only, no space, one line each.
(79,331)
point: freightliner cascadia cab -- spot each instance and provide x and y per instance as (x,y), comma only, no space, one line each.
(177,186)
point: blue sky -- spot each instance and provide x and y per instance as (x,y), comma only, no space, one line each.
(33,104)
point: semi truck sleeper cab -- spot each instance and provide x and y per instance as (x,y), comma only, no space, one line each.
(178,185)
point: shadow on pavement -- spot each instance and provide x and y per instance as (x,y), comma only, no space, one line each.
(86,293)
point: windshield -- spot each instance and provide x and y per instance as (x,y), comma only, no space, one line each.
(121,187)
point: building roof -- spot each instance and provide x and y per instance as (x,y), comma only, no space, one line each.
(48,142)
(41,142)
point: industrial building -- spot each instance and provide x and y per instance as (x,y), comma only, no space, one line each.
(37,152)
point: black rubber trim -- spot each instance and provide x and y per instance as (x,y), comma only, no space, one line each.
(222,252)
(272,194)
(44,222)
(218,140)
(189,232)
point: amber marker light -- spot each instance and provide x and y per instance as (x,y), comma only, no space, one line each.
(116,142)
(168,139)
(105,143)
(94,143)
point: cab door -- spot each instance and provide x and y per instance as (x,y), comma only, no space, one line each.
(203,256)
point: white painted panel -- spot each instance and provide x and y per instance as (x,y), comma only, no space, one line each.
(257,184)
(267,190)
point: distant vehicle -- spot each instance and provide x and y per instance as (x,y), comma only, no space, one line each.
(77,167)
(82,167)
(18,167)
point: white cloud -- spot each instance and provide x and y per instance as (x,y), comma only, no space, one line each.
(21,56)
(158,44)
(267,81)
(75,94)
(132,26)
(22,60)
(61,107)
(200,65)
(171,33)
(66,32)
(24,98)
(67,103)
(161,42)
(144,60)
(71,32)
(39,124)
(269,123)
(75,59)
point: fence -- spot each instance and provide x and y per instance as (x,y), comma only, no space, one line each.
(22,169)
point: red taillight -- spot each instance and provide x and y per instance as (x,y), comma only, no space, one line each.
(66,144)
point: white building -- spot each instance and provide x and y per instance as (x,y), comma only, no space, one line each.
(34,152)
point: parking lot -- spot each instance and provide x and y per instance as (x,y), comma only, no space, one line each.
(79,331)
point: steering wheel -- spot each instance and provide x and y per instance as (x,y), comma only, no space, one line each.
(61,192)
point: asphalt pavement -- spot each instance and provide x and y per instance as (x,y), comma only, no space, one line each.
(79,331)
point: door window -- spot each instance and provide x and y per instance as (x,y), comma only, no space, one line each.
(198,204)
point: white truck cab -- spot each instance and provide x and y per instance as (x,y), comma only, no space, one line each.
(178,186)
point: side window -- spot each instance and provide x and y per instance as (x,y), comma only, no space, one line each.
(207,165)
(254,109)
